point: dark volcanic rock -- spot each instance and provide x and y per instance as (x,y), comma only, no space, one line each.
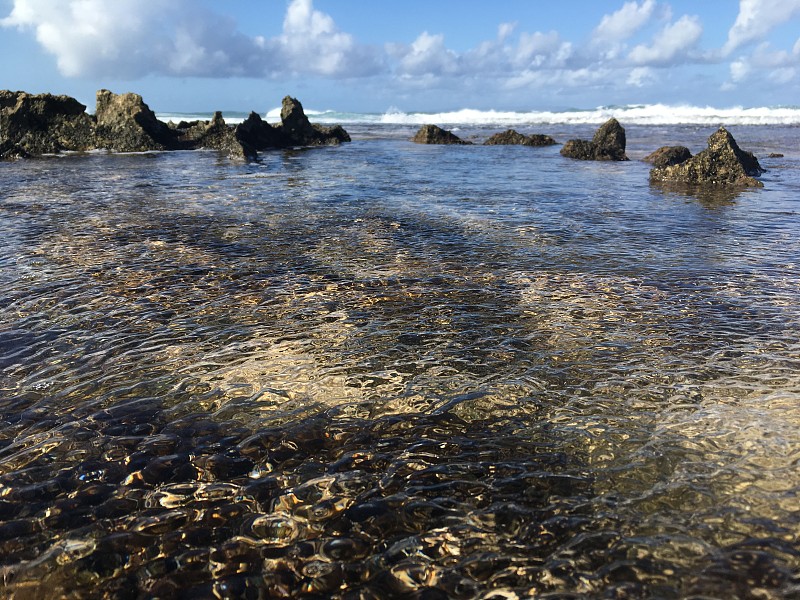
(433,134)
(298,131)
(214,134)
(511,137)
(32,125)
(10,151)
(608,143)
(668,155)
(126,124)
(723,163)
(295,123)
(255,134)
(579,149)
(42,124)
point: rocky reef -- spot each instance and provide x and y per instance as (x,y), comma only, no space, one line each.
(433,134)
(667,156)
(608,143)
(723,163)
(43,124)
(512,137)
(31,125)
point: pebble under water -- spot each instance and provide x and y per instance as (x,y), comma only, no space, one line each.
(386,370)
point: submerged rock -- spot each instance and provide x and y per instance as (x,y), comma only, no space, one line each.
(608,143)
(433,134)
(42,124)
(668,155)
(511,137)
(723,163)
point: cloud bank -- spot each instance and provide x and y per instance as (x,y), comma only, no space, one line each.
(130,39)
(133,38)
(756,18)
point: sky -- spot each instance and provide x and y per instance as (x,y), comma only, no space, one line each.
(414,55)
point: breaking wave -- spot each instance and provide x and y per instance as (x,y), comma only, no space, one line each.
(633,114)
(640,114)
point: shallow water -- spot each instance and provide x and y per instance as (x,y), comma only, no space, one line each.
(390,370)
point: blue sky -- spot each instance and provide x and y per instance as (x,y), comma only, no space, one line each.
(415,55)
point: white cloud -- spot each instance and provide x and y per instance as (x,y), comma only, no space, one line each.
(783,76)
(311,42)
(641,77)
(623,23)
(133,38)
(559,79)
(765,63)
(428,55)
(504,31)
(95,35)
(671,44)
(541,49)
(740,70)
(493,59)
(756,18)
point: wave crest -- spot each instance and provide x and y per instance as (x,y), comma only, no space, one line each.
(642,114)
(633,114)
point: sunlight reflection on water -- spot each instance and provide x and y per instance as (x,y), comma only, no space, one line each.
(387,370)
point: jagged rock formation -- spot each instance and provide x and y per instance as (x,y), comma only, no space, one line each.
(32,125)
(298,131)
(214,135)
(255,135)
(124,123)
(723,163)
(433,134)
(42,124)
(511,137)
(608,143)
(668,155)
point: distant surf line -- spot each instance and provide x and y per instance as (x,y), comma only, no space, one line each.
(633,114)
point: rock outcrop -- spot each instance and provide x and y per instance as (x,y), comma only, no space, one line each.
(608,143)
(124,123)
(433,134)
(298,131)
(723,163)
(255,134)
(667,156)
(511,137)
(214,135)
(31,125)
(42,124)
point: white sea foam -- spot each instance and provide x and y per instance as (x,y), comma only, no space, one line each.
(176,117)
(648,114)
(634,114)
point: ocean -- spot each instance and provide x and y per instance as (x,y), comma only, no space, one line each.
(389,370)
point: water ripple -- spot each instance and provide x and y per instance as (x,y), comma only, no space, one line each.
(394,371)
